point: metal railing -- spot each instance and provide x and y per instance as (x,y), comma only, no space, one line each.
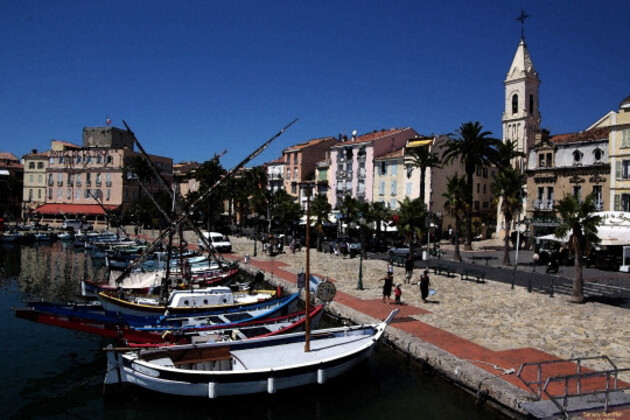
(542,386)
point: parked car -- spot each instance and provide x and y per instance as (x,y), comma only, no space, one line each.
(346,246)
(376,245)
(403,251)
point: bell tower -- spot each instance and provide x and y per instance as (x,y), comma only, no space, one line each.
(521,115)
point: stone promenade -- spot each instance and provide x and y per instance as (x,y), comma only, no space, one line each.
(476,334)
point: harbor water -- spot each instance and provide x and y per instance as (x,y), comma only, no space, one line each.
(52,373)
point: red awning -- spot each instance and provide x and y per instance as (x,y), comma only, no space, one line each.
(87,209)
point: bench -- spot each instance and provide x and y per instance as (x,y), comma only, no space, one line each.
(443,268)
(399,260)
(472,274)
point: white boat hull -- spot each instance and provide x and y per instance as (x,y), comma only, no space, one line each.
(264,365)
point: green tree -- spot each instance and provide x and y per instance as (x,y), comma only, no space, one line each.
(284,210)
(474,148)
(457,205)
(507,189)
(320,209)
(412,218)
(578,219)
(421,157)
(377,214)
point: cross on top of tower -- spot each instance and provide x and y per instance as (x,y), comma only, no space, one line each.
(521,18)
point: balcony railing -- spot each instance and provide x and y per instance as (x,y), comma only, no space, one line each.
(543,204)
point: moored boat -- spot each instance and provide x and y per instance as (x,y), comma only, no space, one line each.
(258,365)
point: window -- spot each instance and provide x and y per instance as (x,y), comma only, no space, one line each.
(108,180)
(31,165)
(478,187)
(78,159)
(99,159)
(78,180)
(485,204)
(295,173)
(476,205)
(577,156)
(88,179)
(295,159)
(531,104)
(98,179)
(383,169)
(514,104)
(577,193)
(69,194)
(39,178)
(40,165)
(597,196)
(393,187)
(39,193)
(549,198)
(381,188)
(625,140)
(541,160)
(50,179)
(598,154)
(293,189)
(484,188)
(409,171)
(549,160)
(485,172)
(623,169)
(77,194)
(394,169)
(622,202)
(392,204)
(59,193)
(60,160)
(109,159)
(408,189)
(30,194)
(30,179)
(50,193)
(59,179)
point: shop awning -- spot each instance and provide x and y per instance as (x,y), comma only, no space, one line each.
(83,209)
(419,143)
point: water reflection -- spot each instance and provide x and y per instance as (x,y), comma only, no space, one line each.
(54,272)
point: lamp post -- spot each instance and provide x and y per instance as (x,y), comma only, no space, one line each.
(362,227)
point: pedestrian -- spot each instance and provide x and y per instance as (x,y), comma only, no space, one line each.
(398,293)
(387,287)
(336,246)
(424,285)
(408,270)
(390,267)
(450,234)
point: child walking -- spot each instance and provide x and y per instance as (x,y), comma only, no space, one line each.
(398,293)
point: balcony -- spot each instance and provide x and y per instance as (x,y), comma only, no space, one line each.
(543,204)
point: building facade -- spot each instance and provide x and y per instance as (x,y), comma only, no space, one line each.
(11,179)
(352,163)
(568,164)
(300,163)
(94,181)
(34,194)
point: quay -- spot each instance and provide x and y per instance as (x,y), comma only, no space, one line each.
(476,335)
(479,335)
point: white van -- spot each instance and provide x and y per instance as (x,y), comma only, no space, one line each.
(76,225)
(219,241)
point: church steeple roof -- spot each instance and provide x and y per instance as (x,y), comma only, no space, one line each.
(522,66)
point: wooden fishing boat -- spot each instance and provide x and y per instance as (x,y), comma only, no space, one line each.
(130,336)
(259,365)
(94,312)
(151,282)
(189,302)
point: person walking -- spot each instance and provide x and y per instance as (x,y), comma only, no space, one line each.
(424,285)
(390,266)
(387,287)
(398,294)
(408,270)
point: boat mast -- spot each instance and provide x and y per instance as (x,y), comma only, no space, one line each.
(184,215)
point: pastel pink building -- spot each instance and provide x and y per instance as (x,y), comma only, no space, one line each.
(351,170)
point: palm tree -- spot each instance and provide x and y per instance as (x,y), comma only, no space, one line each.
(578,219)
(412,217)
(475,149)
(422,157)
(457,205)
(507,188)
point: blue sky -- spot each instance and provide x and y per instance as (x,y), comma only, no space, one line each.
(193,78)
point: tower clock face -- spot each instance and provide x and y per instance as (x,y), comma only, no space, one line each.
(326,291)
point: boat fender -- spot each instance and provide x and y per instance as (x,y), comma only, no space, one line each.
(321,376)
(212,390)
(271,385)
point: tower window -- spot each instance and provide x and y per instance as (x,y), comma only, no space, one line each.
(531,104)
(514,104)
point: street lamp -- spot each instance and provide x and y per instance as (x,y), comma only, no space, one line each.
(362,227)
